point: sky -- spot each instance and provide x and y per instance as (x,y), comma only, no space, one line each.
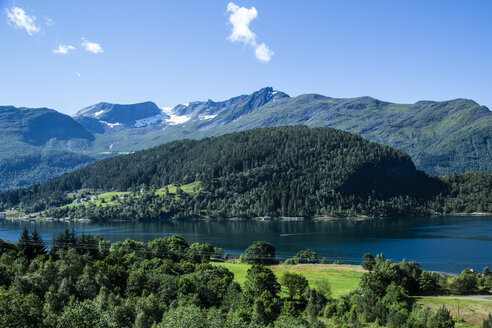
(68,55)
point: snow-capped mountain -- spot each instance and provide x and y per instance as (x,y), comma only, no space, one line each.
(133,115)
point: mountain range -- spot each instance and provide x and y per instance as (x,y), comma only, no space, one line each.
(39,143)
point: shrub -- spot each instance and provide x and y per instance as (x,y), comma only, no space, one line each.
(487,322)
(442,319)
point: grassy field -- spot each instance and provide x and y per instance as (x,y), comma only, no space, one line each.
(190,188)
(99,200)
(472,313)
(342,278)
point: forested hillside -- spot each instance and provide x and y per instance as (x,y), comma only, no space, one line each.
(284,171)
(38,144)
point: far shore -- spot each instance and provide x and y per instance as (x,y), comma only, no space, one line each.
(36,217)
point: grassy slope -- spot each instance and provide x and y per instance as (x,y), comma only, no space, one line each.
(342,278)
(472,312)
(190,188)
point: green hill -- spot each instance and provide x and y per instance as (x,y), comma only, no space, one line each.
(284,171)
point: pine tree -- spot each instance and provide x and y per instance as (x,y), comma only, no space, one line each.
(24,244)
(38,246)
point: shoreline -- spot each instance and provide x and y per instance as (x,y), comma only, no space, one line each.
(32,218)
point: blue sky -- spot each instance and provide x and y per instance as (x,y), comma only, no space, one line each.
(172,52)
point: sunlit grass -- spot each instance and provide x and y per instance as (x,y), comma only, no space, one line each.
(103,199)
(342,278)
(190,188)
(472,312)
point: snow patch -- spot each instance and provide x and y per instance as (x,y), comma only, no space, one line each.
(111,125)
(173,118)
(206,117)
(150,120)
(176,119)
(98,113)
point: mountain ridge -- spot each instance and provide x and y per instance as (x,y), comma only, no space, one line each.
(441,137)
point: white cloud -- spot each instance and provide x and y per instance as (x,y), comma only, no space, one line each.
(240,18)
(48,21)
(93,47)
(263,53)
(64,49)
(18,18)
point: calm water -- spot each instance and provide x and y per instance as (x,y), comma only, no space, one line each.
(446,244)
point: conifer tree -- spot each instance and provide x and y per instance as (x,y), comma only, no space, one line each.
(24,244)
(38,245)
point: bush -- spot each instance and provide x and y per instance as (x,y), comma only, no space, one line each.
(442,319)
(487,322)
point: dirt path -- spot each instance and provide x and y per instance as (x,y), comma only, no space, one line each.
(484,298)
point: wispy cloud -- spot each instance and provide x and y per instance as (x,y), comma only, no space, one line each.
(93,47)
(48,21)
(64,49)
(239,18)
(18,18)
(78,74)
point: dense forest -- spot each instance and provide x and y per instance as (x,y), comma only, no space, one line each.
(86,281)
(37,167)
(283,171)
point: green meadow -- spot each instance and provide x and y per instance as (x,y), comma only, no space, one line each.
(342,278)
(104,199)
